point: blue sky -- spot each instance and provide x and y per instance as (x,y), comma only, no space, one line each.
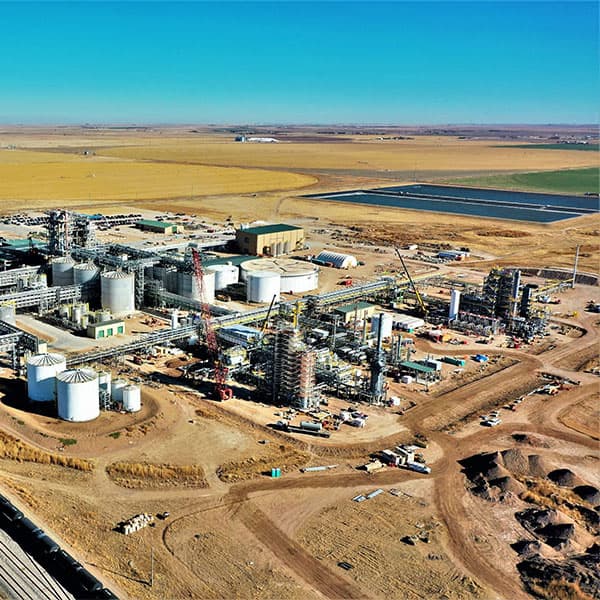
(299,62)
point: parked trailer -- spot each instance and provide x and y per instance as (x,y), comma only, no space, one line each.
(359,498)
(418,467)
(375,493)
(452,360)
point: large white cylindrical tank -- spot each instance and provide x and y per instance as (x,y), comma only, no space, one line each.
(42,370)
(261,286)
(132,398)
(85,273)
(295,277)
(454,305)
(116,389)
(117,292)
(77,394)
(188,287)
(8,314)
(62,271)
(387,325)
(224,275)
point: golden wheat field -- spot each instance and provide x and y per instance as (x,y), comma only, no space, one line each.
(424,153)
(43,178)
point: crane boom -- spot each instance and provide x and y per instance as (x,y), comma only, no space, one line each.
(221,390)
(412,283)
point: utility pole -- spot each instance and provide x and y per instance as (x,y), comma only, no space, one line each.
(151,566)
(575,266)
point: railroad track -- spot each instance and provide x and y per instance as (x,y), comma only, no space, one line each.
(22,578)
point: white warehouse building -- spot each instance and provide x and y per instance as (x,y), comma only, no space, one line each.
(337,260)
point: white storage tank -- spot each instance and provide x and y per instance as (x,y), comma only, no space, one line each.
(224,275)
(42,370)
(337,259)
(117,292)
(116,389)
(77,394)
(62,271)
(85,273)
(261,286)
(132,398)
(387,324)
(8,314)
(104,381)
(295,277)
(188,287)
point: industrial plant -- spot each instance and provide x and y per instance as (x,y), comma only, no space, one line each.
(256,318)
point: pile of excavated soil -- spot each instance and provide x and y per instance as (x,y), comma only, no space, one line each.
(556,534)
(508,484)
(536,518)
(538,467)
(563,477)
(588,493)
(530,440)
(526,547)
(515,461)
(562,578)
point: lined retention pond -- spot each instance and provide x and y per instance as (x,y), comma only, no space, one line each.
(495,204)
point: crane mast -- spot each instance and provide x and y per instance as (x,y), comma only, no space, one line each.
(221,390)
(422,307)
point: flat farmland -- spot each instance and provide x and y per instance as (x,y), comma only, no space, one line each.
(41,178)
(575,181)
(423,154)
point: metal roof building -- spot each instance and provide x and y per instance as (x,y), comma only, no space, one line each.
(158,226)
(269,240)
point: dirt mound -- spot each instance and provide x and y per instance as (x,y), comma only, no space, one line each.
(479,463)
(508,484)
(538,467)
(515,461)
(588,493)
(495,471)
(563,477)
(557,534)
(536,518)
(530,440)
(526,547)
(561,578)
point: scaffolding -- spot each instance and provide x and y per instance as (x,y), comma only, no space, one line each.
(292,379)
(68,230)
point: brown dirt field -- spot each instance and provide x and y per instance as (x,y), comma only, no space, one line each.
(339,533)
(584,416)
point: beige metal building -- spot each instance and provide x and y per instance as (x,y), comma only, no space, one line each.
(105,329)
(356,311)
(269,240)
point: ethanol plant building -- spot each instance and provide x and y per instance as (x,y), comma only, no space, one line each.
(269,240)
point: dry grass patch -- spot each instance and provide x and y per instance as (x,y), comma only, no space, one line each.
(285,457)
(13,448)
(148,475)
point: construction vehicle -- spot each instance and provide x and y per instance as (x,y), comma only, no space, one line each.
(221,390)
(422,309)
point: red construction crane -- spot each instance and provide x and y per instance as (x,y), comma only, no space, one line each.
(222,390)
